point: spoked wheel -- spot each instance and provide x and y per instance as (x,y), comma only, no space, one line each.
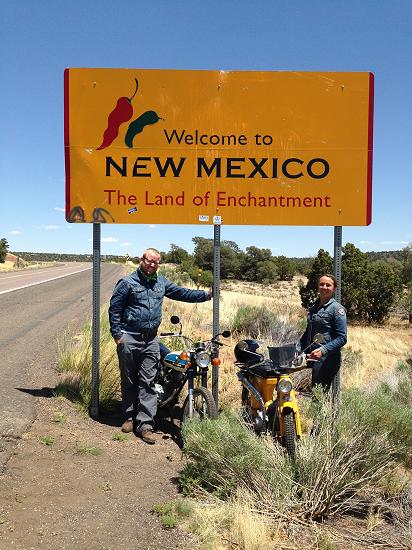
(274,423)
(290,438)
(204,405)
(246,411)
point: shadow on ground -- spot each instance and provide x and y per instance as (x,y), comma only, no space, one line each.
(39,392)
(167,421)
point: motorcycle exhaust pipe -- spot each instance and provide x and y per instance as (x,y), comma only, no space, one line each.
(251,388)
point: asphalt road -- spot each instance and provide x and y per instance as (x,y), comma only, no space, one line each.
(15,280)
(32,320)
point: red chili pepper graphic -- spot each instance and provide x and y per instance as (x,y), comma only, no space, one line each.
(121,113)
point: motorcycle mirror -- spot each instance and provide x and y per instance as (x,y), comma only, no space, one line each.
(226,333)
(318,338)
(174,319)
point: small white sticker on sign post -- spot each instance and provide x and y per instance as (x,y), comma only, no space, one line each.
(217,220)
(203,218)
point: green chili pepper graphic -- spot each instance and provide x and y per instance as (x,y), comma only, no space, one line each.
(137,126)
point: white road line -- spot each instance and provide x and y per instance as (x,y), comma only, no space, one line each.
(45,281)
(23,273)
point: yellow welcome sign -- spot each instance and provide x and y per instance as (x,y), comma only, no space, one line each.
(231,147)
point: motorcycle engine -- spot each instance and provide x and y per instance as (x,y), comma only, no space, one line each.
(160,392)
(167,381)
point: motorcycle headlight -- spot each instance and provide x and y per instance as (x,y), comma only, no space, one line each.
(202,359)
(284,385)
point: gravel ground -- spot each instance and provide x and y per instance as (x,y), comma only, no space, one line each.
(67,481)
(85,489)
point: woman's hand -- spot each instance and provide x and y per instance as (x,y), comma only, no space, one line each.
(315,354)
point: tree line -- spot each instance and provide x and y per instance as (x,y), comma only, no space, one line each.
(374,284)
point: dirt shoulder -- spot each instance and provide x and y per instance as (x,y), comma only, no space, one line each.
(85,489)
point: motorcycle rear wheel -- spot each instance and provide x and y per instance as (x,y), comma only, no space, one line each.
(247,411)
(204,405)
(290,438)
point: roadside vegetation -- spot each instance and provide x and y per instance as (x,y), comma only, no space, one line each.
(350,486)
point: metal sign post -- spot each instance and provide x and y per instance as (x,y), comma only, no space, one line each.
(337,271)
(94,406)
(216,292)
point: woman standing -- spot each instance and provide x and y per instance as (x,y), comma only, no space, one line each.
(328,318)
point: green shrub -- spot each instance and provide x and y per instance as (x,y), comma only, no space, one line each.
(261,322)
(337,470)
(178,276)
(255,321)
(170,512)
(340,466)
(47,440)
(224,455)
(387,409)
(88,449)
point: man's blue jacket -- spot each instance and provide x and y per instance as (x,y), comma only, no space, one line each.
(136,303)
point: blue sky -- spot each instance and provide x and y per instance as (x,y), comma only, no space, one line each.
(39,39)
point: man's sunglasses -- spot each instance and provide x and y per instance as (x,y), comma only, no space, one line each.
(150,262)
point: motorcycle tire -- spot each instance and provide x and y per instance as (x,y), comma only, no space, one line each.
(204,405)
(289,438)
(246,410)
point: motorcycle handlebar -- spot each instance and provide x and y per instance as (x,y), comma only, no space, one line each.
(303,361)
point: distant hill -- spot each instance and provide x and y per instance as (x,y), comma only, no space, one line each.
(55,257)
(390,254)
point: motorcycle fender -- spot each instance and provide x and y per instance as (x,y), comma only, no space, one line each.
(292,405)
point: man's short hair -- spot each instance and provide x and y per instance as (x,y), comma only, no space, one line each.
(151,250)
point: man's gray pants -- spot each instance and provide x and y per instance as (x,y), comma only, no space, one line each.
(138,362)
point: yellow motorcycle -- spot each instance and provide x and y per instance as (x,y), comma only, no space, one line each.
(268,400)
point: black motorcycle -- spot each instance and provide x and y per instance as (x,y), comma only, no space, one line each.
(190,365)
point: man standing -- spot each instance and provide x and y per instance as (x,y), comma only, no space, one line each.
(135,314)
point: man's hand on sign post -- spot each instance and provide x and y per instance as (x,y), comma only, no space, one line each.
(211,293)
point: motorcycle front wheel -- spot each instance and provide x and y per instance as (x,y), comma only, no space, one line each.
(289,437)
(204,405)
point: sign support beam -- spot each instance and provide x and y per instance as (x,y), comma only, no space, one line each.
(337,271)
(94,406)
(216,295)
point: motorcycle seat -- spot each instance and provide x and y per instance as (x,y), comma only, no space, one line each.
(264,369)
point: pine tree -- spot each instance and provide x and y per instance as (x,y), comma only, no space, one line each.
(4,247)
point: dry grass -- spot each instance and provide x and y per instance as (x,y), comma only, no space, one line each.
(10,266)
(75,364)
(371,355)
(372,352)
(377,349)
(381,348)
(226,525)
(7,266)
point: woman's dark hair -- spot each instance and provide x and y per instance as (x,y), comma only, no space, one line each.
(335,282)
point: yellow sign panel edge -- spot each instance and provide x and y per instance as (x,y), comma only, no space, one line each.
(368,202)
